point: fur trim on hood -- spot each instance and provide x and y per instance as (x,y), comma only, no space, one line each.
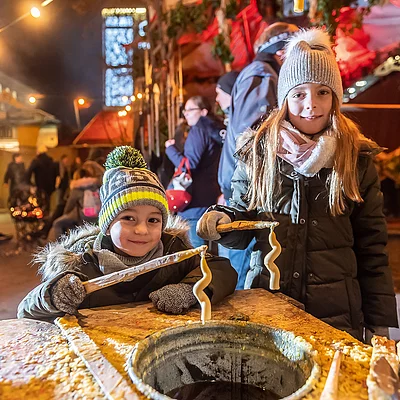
(66,253)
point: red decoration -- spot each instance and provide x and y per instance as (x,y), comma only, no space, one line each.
(353,55)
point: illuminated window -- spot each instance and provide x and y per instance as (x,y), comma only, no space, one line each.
(119,28)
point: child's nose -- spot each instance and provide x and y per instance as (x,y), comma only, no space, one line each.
(140,228)
(310,102)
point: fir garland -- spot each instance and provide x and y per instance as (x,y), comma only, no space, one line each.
(221,50)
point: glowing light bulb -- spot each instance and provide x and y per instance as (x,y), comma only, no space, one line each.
(32,99)
(125,98)
(35,12)
(81,101)
(133,98)
(139,96)
(128,108)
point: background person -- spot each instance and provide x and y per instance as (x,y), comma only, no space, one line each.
(203,149)
(15,173)
(44,170)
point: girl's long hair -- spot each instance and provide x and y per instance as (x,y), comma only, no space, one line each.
(260,157)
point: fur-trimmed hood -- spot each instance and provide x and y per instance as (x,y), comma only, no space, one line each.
(66,253)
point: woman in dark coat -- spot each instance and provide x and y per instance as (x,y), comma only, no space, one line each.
(203,150)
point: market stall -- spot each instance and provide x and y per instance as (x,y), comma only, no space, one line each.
(39,360)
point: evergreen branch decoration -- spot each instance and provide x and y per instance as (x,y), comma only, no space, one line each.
(182,18)
(221,50)
(125,156)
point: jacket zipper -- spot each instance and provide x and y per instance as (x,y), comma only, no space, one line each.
(304,269)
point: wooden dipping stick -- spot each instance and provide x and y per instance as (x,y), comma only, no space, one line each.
(101,282)
(331,384)
(271,256)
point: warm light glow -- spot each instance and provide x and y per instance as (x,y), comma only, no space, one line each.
(125,98)
(110,12)
(32,99)
(361,83)
(139,96)
(133,98)
(128,108)
(46,3)
(81,101)
(122,113)
(35,12)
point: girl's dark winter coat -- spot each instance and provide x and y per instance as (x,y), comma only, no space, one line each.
(73,255)
(336,266)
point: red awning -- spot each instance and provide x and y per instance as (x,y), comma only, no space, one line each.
(108,129)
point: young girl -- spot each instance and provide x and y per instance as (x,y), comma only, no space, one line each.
(309,168)
(134,227)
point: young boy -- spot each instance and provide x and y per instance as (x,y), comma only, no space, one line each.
(134,227)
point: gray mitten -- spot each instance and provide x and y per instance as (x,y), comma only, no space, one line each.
(377,330)
(207,225)
(68,293)
(174,298)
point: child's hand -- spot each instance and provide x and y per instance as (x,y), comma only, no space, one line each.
(207,225)
(375,330)
(174,299)
(68,293)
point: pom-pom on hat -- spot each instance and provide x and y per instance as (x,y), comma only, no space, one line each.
(309,59)
(126,183)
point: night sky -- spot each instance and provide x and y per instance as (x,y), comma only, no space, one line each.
(59,54)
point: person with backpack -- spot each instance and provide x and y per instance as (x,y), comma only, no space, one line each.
(134,227)
(83,202)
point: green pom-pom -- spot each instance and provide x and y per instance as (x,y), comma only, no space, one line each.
(125,156)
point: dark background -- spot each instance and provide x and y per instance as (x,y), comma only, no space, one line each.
(59,54)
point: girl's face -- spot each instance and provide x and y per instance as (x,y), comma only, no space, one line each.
(136,230)
(193,112)
(309,107)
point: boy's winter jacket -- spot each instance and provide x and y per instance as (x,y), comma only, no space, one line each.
(336,266)
(73,254)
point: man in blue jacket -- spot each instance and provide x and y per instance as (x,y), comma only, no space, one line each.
(253,95)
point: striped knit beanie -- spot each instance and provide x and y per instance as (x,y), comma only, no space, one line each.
(309,59)
(126,183)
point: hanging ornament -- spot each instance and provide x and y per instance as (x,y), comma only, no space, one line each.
(298,6)
(312,12)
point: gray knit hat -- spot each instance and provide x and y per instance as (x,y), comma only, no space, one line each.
(126,183)
(309,59)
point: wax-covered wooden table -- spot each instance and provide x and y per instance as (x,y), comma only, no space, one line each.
(36,361)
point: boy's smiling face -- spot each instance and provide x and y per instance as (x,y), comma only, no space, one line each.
(136,230)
